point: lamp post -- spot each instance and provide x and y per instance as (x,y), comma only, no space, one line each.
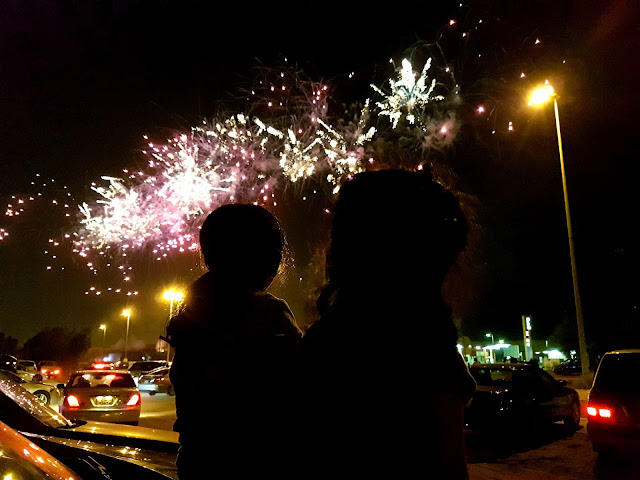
(104,334)
(126,313)
(172,296)
(541,96)
(493,342)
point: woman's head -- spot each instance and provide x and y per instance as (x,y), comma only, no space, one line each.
(394,229)
(242,244)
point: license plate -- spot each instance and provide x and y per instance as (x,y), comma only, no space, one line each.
(103,401)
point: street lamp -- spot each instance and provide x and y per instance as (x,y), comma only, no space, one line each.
(540,96)
(172,296)
(126,313)
(104,333)
(490,335)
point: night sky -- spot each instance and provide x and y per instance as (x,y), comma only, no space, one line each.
(82,82)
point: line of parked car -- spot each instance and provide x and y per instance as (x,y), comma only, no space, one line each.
(518,400)
(509,396)
(89,438)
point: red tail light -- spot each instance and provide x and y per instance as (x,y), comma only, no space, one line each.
(599,411)
(72,401)
(134,400)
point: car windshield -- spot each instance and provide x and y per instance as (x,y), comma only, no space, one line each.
(30,403)
(98,380)
(616,373)
(492,376)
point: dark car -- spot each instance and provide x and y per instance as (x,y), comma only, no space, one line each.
(521,398)
(51,370)
(95,450)
(613,409)
(570,366)
(8,362)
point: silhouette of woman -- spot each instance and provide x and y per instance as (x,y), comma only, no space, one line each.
(384,383)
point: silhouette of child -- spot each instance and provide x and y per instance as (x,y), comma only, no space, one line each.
(234,345)
(384,384)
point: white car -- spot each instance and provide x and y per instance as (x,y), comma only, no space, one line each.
(48,394)
(28,366)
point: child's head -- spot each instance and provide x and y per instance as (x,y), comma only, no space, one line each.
(242,244)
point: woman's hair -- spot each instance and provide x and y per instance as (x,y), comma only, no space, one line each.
(242,243)
(393,229)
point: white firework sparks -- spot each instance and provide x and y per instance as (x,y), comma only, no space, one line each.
(408,94)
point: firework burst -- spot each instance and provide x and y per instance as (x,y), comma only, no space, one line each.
(290,136)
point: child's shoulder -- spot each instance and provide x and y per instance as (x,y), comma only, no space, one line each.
(270,299)
(276,310)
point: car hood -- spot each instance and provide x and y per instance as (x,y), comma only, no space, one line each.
(484,389)
(162,462)
(128,431)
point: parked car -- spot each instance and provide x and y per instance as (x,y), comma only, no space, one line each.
(28,366)
(95,450)
(156,381)
(8,362)
(613,408)
(48,394)
(51,370)
(571,366)
(21,458)
(139,368)
(101,395)
(519,396)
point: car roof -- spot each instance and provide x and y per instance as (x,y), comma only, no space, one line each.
(499,364)
(158,369)
(625,350)
(503,366)
(107,371)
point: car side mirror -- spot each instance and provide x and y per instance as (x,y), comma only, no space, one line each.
(37,378)
(60,385)
(563,383)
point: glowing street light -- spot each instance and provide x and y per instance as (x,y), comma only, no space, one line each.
(104,333)
(126,313)
(172,296)
(540,96)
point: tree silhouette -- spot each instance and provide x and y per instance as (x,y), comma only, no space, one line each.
(60,344)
